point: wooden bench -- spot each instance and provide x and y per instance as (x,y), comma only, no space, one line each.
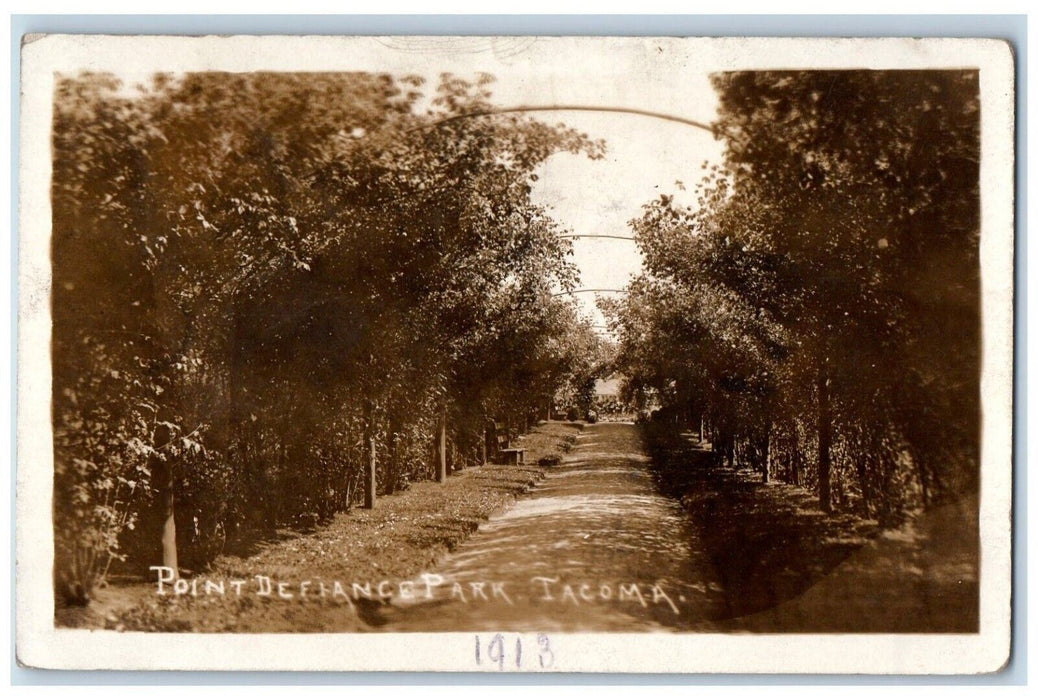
(514,455)
(510,455)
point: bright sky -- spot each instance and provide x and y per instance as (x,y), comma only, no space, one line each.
(644,156)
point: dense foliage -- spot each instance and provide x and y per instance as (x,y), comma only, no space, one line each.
(818,308)
(259,279)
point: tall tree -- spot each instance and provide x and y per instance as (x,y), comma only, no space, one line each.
(263,280)
(833,255)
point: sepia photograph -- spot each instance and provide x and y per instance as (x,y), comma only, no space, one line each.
(674,346)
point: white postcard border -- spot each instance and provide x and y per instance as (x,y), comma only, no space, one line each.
(39,644)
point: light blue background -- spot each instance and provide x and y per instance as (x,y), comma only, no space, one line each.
(1010,27)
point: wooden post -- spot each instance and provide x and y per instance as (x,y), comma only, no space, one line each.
(441,447)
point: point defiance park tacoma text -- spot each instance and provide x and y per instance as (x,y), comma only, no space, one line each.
(427,586)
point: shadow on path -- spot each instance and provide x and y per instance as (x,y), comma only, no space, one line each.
(785,566)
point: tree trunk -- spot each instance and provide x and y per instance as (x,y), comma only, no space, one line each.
(163,476)
(767,454)
(169,532)
(441,447)
(370,477)
(369,472)
(393,464)
(824,436)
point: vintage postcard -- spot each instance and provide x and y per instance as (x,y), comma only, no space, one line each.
(515,354)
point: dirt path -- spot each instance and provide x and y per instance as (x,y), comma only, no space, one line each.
(593,547)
